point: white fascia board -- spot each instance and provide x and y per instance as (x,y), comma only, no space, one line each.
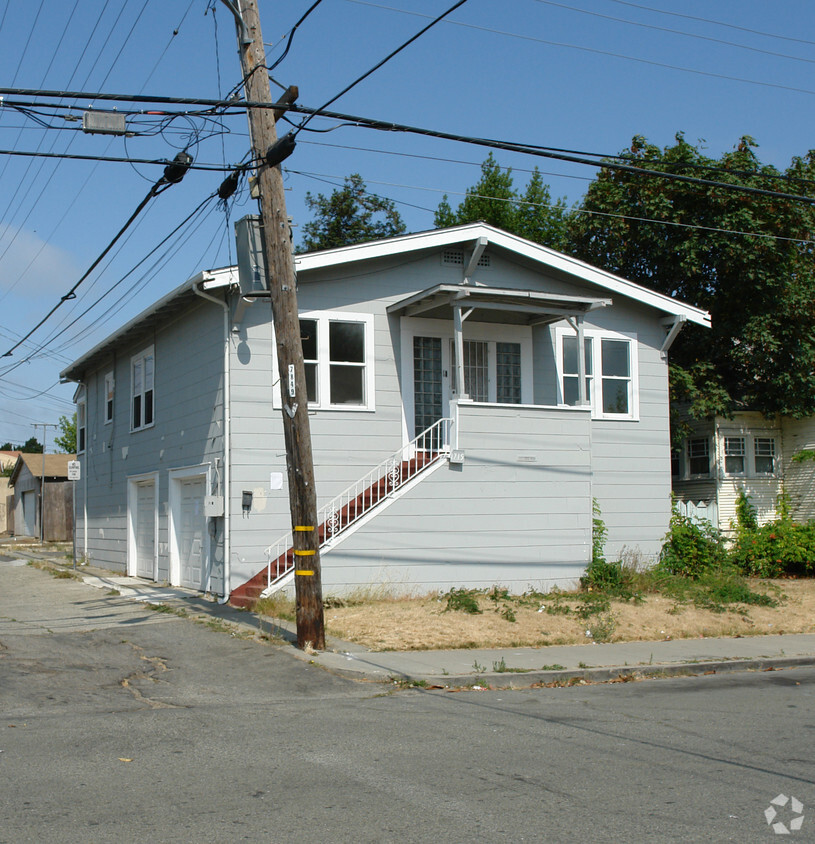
(440,238)
(208,279)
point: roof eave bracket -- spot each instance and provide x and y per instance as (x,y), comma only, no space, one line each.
(674,327)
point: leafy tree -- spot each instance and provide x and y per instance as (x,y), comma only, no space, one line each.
(32,446)
(66,439)
(494,200)
(349,215)
(758,287)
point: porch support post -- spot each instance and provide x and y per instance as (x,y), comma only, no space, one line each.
(581,363)
(458,339)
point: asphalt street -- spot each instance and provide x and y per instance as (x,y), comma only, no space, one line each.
(121,723)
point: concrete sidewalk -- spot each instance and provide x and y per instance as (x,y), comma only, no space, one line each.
(498,667)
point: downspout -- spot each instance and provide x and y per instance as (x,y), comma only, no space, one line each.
(227,439)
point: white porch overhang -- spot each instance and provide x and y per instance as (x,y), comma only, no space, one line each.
(526,307)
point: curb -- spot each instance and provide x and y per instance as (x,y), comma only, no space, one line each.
(571,677)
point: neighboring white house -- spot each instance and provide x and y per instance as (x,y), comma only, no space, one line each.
(466,338)
(747,452)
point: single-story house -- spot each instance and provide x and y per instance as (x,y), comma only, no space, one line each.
(26,483)
(459,438)
(722,456)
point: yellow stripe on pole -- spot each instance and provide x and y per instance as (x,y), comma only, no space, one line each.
(304,527)
(304,573)
(304,553)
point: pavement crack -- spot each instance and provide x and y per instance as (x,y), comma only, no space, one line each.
(157,666)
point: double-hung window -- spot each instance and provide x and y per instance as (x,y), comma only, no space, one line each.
(81,426)
(699,457)
(338,356)
(142,371)
(764,455)
(610,370)
(109,385)
(734,456)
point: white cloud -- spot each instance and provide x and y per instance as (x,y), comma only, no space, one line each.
(32,268)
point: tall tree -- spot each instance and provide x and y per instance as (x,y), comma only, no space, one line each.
(494,200)
(746,258)
(349,215)
(65,441)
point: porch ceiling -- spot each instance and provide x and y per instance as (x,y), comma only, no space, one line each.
(525,307)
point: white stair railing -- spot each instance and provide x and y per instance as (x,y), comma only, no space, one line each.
(363,496)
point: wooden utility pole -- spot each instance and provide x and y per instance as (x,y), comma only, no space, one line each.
(292,378)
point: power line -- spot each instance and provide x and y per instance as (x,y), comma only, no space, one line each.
(547,152)
(390,126)
(384,61)
(110,158)
(597,51)
(519,201)
(160,186)
(677,32)
(715,22)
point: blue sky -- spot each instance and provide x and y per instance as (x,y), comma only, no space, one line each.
(586,75)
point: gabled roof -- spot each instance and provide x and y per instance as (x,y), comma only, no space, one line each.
(56,466)
(498,239)
(468,234)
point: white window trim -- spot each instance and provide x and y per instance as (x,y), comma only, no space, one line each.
(145,353)
(81,416)
(597,336)
(323,319)
(746,442)
(750,471)
(109,380)
(686,472)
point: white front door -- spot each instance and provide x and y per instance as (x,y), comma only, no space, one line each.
(145,529)
(192,532)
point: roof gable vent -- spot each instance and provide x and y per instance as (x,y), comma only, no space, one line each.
(455,258)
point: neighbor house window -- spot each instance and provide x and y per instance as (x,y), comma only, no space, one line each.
(338,356)
(81,426)
(699,457)
(142,370)
(610,365)
(734,455)
(109,397)
(764,455)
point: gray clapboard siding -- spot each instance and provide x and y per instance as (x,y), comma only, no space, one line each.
(494,520)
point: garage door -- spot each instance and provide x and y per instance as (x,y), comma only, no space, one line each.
(192,533)
(146,529)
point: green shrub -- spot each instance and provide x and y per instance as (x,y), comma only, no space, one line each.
(463,600)
(690,549)
(777,548)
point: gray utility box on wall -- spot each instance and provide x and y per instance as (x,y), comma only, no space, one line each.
(250,245)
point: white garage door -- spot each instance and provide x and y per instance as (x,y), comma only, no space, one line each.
(192,533)
(146,529)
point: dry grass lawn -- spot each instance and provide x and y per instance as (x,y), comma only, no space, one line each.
(424,623)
